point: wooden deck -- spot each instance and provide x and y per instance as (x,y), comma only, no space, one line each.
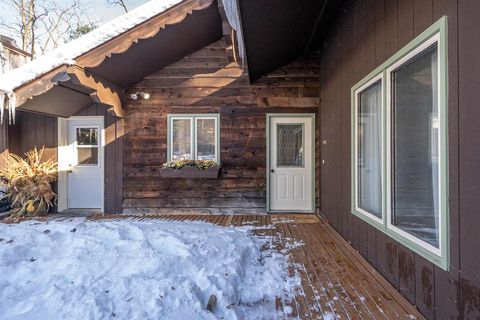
(337,283)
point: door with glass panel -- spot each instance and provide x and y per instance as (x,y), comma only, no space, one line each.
(291,167)
(85,179)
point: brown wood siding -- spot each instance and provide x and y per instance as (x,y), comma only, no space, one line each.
(30,131)
(3,141)
(35,130)
(365,34)
(206,82)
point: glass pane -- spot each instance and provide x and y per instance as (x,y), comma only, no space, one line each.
(290,145)
(415,146)
(181,135)
(206,139)
(369,156)
(87,156)
(87,136)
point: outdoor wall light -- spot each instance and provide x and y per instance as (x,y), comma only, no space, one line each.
(138,94)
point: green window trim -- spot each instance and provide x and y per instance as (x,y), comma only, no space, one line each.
(440,256)
(193,117)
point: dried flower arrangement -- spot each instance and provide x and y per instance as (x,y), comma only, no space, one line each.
(28,183)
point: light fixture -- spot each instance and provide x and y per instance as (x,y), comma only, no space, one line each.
(136,95)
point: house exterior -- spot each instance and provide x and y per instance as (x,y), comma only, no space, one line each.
(364,111)
(11,56)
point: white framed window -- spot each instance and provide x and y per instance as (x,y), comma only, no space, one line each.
(193,137)
(399,146)
(413,146)
(368,140)
(87,146)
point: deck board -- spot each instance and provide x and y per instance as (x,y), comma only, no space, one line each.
(337,282)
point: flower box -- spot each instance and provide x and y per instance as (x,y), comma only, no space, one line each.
(190,173)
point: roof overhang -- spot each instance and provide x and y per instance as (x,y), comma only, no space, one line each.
(289,29)
(101,74)
(67,90)
(193,30)
(275,32)
(58,101)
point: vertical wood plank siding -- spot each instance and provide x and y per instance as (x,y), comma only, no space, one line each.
(207,82)
(3,140)
(35,130)
(366,33)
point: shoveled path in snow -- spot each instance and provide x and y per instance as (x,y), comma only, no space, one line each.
(337,283)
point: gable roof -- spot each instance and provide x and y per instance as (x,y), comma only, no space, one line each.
(66,54)
(11,45)
(145,35)
(103,63)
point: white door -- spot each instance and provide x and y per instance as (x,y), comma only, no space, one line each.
(85,178)
(291,168)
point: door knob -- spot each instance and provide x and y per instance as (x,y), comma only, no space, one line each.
(272,171)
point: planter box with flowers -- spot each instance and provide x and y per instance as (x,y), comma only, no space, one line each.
(191,169)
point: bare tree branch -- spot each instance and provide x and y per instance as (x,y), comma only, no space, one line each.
(121,3)
(44,24)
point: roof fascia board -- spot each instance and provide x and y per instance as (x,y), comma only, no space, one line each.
(145,30)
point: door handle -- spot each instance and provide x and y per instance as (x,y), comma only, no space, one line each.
(272,171)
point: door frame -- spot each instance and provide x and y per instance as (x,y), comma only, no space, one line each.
(312,116)
(63,148)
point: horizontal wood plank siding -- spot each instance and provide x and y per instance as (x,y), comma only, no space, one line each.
(207,82)
(366,33)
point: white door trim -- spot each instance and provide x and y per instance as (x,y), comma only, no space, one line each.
(63,160)
(312,116)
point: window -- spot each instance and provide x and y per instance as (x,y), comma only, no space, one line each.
(414,146)
(193,137)
(290,145)
(368,149)
(87,146)
(399,143)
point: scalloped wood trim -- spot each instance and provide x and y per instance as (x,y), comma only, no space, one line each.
(146,30)
(104,92)
(38,86)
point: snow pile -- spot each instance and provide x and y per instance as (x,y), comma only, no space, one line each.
(67,53)
(131,269)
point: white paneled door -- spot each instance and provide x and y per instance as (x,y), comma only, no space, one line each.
(85,167)
(292,166)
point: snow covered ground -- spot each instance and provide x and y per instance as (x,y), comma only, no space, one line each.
(78,269)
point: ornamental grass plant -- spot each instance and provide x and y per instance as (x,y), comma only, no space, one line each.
(28,183)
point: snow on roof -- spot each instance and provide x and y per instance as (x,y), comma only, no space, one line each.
(67,53)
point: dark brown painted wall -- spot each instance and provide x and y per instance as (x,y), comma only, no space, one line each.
(206,82)
(35,130)
(366,33)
